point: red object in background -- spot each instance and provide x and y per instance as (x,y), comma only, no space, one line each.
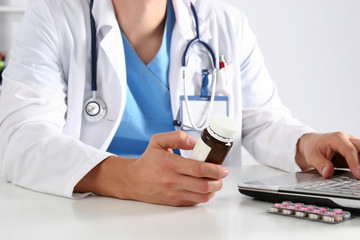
(222,61)
(2,57)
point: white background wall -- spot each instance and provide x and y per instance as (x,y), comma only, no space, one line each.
(312,50)
(9,22)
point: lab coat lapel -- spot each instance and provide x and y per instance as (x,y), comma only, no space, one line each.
(111,75)
(109,36)
(184,22)
(183,31)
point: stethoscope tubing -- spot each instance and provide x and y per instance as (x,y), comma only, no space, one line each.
(94,54)
(197,39)
(94,58)
(185,60)
(95,108)
(211,103)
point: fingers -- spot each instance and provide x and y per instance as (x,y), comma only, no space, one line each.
(165,178)
(198,185)
(325,145)
(188,191)
(187,198)
(320,149)
(177,139)
(198,197)
(184,190)
(354,166)
(349,148)
(182,198)
(200,169)
(322,165)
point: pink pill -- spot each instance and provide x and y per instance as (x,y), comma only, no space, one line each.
(305,209)
(285,204)
(317,211)
(338,211)
(331,214)
(292,207)
(311,208)
(322,210)
(278,205)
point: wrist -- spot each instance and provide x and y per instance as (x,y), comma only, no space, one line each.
(115,176)
(106,179)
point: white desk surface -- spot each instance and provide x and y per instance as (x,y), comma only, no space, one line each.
(25,214)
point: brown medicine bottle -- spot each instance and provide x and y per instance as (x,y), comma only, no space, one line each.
(216,140)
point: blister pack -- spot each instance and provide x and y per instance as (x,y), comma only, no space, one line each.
(311,212)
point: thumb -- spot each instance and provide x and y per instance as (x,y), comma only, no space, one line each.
(176,139)
(322,165)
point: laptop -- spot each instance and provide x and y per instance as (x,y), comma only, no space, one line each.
(309,187)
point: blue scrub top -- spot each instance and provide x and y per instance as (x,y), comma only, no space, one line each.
(148,106)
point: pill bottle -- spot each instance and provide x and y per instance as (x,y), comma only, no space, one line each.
(216,140)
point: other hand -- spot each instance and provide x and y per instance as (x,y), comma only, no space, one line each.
(317,150)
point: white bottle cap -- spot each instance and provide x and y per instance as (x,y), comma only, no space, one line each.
(223,128)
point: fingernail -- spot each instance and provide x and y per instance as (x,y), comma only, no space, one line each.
(192,141)
(324,170)
(225,173)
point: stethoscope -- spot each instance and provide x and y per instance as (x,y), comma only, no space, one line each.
(185,60)
(95,108)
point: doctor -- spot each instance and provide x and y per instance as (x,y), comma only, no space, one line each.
(48,143)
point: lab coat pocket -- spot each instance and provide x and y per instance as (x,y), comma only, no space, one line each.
(224,81)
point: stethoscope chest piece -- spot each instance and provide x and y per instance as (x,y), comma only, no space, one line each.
(95,109)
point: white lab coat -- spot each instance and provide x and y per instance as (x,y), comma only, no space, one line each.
(45,143)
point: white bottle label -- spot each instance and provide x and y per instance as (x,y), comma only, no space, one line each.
(200,151)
